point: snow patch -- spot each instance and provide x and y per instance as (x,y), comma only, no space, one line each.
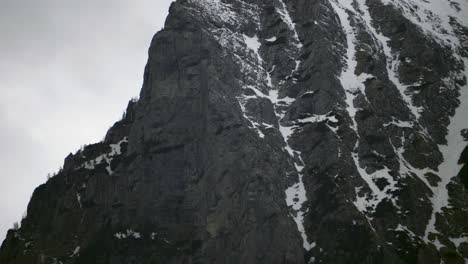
(76,252)
(296,194)
(254,44)
(284,13)
(242,100)
(405,229)
(393,61)
(451,152)
(399,123)
(116,150)
(458,241)
(369,202)
(354,85)
(286,17)
(78,199)
(128,234)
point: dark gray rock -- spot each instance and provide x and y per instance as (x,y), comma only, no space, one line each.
(234,154)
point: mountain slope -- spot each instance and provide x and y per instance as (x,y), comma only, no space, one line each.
(277,131)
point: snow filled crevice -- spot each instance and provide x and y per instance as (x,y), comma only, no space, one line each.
(253,124)
(399,123)
(296,194)
(127,234)
(451,152)
(411,234)
(353,86)
(297,44)
(76,252)
(369,202)
(433,17)
(245,51)
(78,199)
(457,241)
(406,169)
(392,60)
(253,46)
(284,13)
(259,80)
(116,150)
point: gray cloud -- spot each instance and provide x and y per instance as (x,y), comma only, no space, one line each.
(67,70)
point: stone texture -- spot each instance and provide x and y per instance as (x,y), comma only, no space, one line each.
(197,169)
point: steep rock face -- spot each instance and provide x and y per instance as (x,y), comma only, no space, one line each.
(323,131)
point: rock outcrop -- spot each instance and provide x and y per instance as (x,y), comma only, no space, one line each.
(275,131)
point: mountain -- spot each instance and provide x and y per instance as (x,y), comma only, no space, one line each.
(275,131)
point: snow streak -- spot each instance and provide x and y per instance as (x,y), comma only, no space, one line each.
(258,79)
(432,16)
(435,19)
(449,168)
(296,194)
(392,60)
(106,157)
(354,85)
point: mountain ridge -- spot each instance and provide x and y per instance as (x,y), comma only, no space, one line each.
(278,132)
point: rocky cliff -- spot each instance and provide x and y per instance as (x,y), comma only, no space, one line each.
(275,131)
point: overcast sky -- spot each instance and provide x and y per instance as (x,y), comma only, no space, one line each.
(67,71)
